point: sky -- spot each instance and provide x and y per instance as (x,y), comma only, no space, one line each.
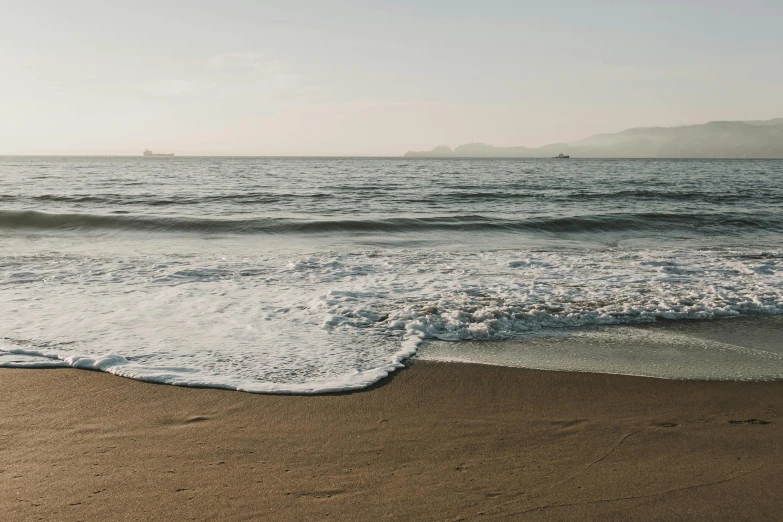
(264,77)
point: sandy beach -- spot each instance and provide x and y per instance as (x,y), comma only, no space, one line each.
(436,441)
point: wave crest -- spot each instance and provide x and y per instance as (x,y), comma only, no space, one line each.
(584,224)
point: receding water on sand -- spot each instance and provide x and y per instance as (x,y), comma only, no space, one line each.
(743,348)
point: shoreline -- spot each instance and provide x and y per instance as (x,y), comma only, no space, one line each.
(444,441)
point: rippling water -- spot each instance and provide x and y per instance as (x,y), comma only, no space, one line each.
(307,275)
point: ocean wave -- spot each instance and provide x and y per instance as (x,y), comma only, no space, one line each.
(726,223)
(543,194)
(153,200)
(549,194)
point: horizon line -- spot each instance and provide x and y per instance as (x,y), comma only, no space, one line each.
(66,154)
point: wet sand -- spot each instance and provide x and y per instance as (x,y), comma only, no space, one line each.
(437,441)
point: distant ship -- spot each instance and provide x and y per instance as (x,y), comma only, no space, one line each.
(148,153)
(561,156)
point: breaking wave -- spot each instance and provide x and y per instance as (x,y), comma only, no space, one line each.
(706,223)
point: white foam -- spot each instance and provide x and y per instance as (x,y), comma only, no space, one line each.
(278,323)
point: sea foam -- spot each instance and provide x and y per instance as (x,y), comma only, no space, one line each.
(335,321)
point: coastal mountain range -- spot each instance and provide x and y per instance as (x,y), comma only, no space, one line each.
(715,139)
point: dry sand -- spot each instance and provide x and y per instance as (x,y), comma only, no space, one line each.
(435,442)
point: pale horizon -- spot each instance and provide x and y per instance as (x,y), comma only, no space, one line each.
(301,79)
(452,146)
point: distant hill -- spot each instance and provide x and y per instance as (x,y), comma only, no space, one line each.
(716,139)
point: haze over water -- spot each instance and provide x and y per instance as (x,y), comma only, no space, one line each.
(307,275)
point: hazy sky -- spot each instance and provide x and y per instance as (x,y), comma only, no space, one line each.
(373,77)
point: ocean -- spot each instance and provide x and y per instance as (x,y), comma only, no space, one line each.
(311,275)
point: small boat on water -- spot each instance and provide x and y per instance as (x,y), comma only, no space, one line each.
(149,154)
(561,156)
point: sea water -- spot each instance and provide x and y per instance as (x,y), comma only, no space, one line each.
(307,275)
